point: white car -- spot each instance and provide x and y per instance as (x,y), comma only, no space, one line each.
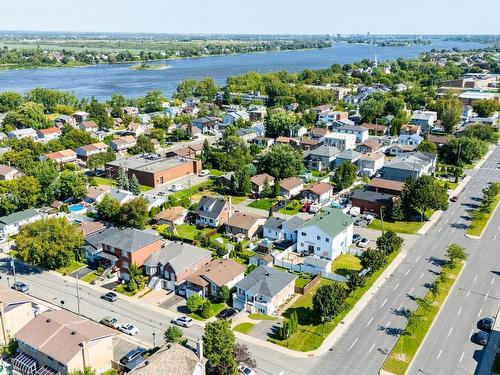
(183,321)
(243,370)
(129,329)
(363,242)
(177,187)
(204,172)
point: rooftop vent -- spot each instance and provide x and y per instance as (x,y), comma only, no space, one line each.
(48,320)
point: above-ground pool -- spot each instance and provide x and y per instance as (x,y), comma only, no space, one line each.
(76,207)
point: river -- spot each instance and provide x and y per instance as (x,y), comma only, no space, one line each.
(103,80)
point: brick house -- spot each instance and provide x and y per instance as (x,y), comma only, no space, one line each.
(372,202)
(212,211)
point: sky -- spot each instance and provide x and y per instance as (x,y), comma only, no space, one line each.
(254,17)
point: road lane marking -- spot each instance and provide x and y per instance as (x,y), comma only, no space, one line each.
(453,230)
(383,303)
(462,357)
(387,325)
(449,332)
(422,275)
(416,260)
(439,354)
(491,283)
(479,313)
(439,230)
(471,332)
(399,308)
(411,290)
(398,285)
(475,278)
(371,320)
(468,293)
(407,272)
(486,296)
(459,311)
(371,348)
(355,341)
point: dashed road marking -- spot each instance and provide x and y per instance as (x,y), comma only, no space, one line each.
(468,293)
(416,260)
(383,303)
(422,275)
(449,332)
(462,357)
(355,341)
(459,311)
(439,354)
(486,296)
(411,291)
(492,281)
(398,285)
(479,313)
(407,272)
(371,320)
(475,278)
(371,348)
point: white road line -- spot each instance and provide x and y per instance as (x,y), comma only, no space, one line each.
(471,332)
(475,278)
(387,325)
(439,230)
(449,332)
(453,230)
(479,313)
(422,275)
(459,311)
(468,293)
(491,283)
(371,320)
(411,291)
(407,272)
(398,285)
(439,354)
(383,303)
(486,296)
(371,348)
(355,341)
(462,357)
(416,260)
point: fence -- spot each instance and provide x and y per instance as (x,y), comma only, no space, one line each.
(309,269)
(306,288)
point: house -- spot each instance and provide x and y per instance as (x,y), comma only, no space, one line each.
(206,124)
(231,117)
(369,164)
(23,133)
(247,134)
(213,211)
(284,140)
(153,201)
(321,158)
(264,142)
(84,152)
(257,112)
(10,224)
(307,144)
(173,358)
(63,120)
(368,146)
(120,195)
(320,193)
(360,132)
(341,141)
(244,225)
(261,259)
(290,226)
(319,133)
(95,194)
(8,173)
(49,134)
(438,140)
(122,144)
(375,129)
(135,129)
(81,116)
(399,149)
(89,126)
(412,140)
(175,262)
(259,129)
(146,118)
(207,281)
(16,310)
(171,216)
(381,185)
(326,235)
(191,151)
(264,290)
(329,117)
(425,119)
(410,129)
(224,181)
(172,111)
(291,186)
(259,180)
(90,227)
(412,164)
(62,157)
(350,156)
(130,111)
(272,228)
(192,101)
(120,248)
(372,202)
(60,342)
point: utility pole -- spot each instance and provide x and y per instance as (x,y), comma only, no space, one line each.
(78,293)
(12,263)
(154,340)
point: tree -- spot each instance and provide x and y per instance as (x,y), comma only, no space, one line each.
(108,208)
(10,101)
(71,185)
(243,183)
(371,109)
(175,334)
(345,175)
(223,292)
(485,108)
(50,99)
(423,194)
(449,111)
(282,161)
(122,181)
(206,88)
(49,242)
(19,194)
(250,269)
(134,213)
(328,301)
(483,132)
(455,253)
(396,212)
(98,113)
(153,101)
(194,303)
(281,123)
(465,150)
(134,185)
(266,188)
(219,343)
(389,242)
(277,188)
(355,280)
(143,145)
(206,309)
(427,146)
(243,356)
(294,321)
(373,259)
(29,115)
(285,331)
(394,106)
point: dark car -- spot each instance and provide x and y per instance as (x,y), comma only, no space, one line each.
(454,199)
(486,324)
(20,287)
(110,296)
(227,314)
(481,338)
(356,237)
(131,355)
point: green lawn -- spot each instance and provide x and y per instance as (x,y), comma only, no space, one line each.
(346,262)
(451,185)
(216,172)
(480,220)
(189,231)
(263,204)
(408,227)
(111,182)
(407,345)
(216,308)
(88,278)
(71,268)
(187,193)
(257,316)
(291,208)
(301,282)
(235,199)
(309,334)
(244,327)
(122,289)
(496,363)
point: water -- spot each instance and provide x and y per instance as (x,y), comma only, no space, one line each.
(76,207)
(103,80)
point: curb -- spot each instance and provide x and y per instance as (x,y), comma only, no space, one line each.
(485,227)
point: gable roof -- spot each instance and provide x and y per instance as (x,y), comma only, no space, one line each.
(179,255)
(331,221)
(171,213)
(259,179)
(217,205)
(349,155)
(320,188)
(129,239)
(274,222)
(266,281)
(387,184)
(411,161)
(372,196)
(18,216)
(243,220)
(219,271)
(290,183)
(324,150)
(293,223)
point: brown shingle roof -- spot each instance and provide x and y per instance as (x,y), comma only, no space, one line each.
(387,184)
(243,220)
(374,127)
(90,227)
(438,139)
(290,183)
(5,169)
(259,179)
(372,143)
(219,271)
(9,296)
(171,214)
(320,188)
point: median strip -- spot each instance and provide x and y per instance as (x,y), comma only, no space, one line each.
(481,216)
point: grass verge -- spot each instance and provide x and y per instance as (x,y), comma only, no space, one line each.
(345,263)
(244,328)
(216,308)
(408,227)
(480,220)
(257,316)
(111,182)
(71,268)
(88,278)
(406,347)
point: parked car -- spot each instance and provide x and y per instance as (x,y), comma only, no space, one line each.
(356,237)
(243,370)
(454,199)
(109,296)
(481,338)
(314,208)
(369,218)
(20,286)
(177,187)
(131,355)
(129,329)
(359,222)
(183,321)
(305,207)
(486,324)
(204,172)
(363,242)
(110,322)
(227,314)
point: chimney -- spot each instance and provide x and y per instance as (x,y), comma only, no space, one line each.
(199,349)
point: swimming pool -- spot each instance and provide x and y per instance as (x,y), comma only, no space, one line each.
(76,207)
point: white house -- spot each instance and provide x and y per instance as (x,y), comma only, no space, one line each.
(272,228)
(412,140)
(341,141)
(289,228)
(369,164)
(327,235)
(360,132)
(423,118)
(231,117)
(49,134)
(10,224)
(291,186)
(23,133)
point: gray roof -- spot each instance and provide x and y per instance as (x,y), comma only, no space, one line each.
(353,128)
(266,281)
(411,161)
(371,196)
(18,216)
(179,255)
(349,155)
(274,222)
(119,194)
(128,239)
(293,223)
(216,204)
(324,150)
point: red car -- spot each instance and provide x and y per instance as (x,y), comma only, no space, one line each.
(454,199)
(305,207)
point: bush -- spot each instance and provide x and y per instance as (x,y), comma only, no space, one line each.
(206,310)
(194,303)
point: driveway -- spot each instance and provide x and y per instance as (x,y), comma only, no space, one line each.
(175,303)
(264,328)
(81,272)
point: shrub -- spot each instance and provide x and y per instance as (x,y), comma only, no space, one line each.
(194,303)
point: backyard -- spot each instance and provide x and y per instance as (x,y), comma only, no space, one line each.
(291,208)
(189,231)
(345,263)
(111,182)
(263,203)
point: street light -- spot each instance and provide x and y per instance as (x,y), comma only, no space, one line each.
(154,340)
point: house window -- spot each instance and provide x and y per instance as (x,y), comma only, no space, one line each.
(318,238)
(125,264)
(303,233)
(317,248)
(327,239)
(125,253)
